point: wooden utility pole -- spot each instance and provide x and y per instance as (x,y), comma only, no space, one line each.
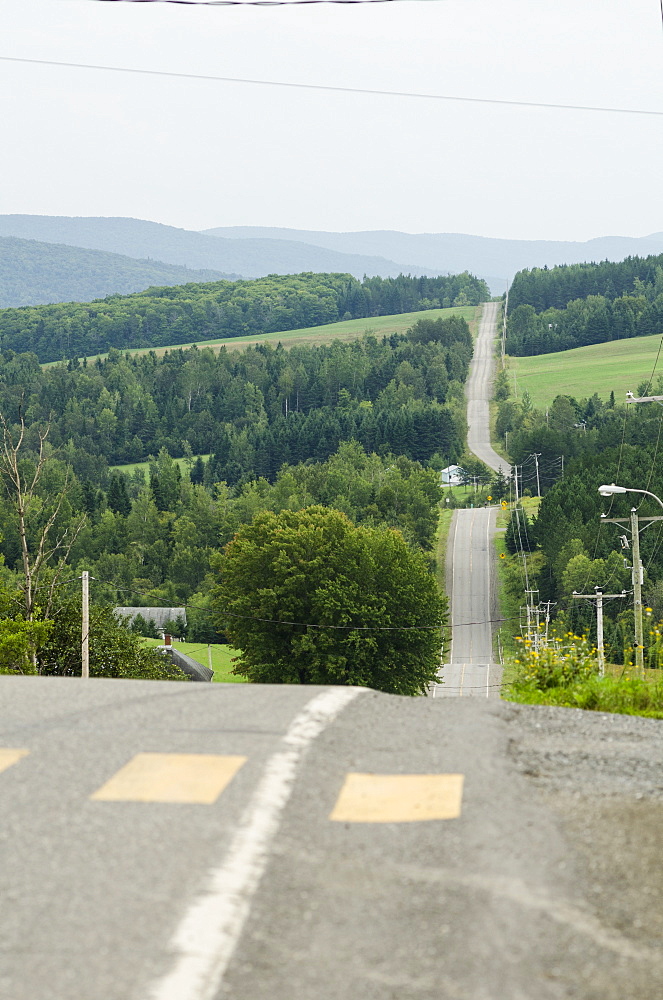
(599,597)
(85,624)
(637,575)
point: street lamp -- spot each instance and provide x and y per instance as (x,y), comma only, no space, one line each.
(609,491)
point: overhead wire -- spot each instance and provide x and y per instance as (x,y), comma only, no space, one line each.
(336,89)
(279,621)
(250,3)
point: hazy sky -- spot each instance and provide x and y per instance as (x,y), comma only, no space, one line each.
(198,154)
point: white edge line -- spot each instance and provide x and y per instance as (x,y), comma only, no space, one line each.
(207,936)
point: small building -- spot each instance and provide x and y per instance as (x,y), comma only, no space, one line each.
(453,475)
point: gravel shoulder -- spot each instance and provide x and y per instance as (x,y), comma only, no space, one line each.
(602,777)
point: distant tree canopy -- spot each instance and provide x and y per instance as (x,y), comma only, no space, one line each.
(579,304)
(160,317)
(311,599)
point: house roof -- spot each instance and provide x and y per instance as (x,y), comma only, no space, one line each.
(158,616)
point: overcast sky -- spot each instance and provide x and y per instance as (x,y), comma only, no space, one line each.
(198,154)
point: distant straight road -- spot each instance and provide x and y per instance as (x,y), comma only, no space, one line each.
(470,555)
(470,672)
(479,392)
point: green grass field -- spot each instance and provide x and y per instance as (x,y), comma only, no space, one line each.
(221,658)
(602,368)
(144,467)
(380,326)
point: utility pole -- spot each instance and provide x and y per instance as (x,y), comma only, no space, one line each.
(85,624)
(637,577)
(599,597)
(504,315)
(537,455)
(533,614)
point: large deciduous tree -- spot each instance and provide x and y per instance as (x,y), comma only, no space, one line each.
(309,598)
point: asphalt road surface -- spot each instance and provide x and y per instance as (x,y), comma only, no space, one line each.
(194,842)
(471,671)
(479,392)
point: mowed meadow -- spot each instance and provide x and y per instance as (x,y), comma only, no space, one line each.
(618,366)
(352,329)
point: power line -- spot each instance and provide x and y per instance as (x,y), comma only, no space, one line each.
(245,3)
(338,90)
(278,621)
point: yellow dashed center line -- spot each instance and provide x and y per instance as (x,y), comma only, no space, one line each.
(171,777)
(9,757)
(398,798)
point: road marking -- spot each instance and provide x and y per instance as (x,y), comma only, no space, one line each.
(210,929)
(398,798)
(171,777)
(9,757)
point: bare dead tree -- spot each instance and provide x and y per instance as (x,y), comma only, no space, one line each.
(22,492)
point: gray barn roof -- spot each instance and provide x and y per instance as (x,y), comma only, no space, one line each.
(158,616)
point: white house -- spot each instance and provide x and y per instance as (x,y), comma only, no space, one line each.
(452,476)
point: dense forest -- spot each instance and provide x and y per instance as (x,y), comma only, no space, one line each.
(255,408)
(161,317)
(362,427)
(580,304)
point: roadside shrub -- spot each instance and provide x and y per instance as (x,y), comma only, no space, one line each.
(562,662)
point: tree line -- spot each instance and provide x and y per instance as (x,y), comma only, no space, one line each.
(160,317)
(576,305)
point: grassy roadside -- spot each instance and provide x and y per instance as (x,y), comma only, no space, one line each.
(510,596)
(496,443)
(221,658)
(441,538)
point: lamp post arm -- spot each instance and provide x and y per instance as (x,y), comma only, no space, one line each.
(649,494)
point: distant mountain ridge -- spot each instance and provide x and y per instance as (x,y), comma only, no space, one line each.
(35,273)
(495,260)
(250,258)
(255,251)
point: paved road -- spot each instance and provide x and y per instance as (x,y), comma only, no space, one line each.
(479,392)
(470,555)
(469,571)
(195,842)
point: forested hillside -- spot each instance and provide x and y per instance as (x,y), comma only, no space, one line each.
(349,425)
(581,304)
(34,273)
(161,317)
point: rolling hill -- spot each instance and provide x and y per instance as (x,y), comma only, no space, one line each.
(618,366)
(495,260)
(34,273)
(251,258)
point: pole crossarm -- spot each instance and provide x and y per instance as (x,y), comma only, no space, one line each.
(630,398)
(593,597)
(599,597)
(627,520)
